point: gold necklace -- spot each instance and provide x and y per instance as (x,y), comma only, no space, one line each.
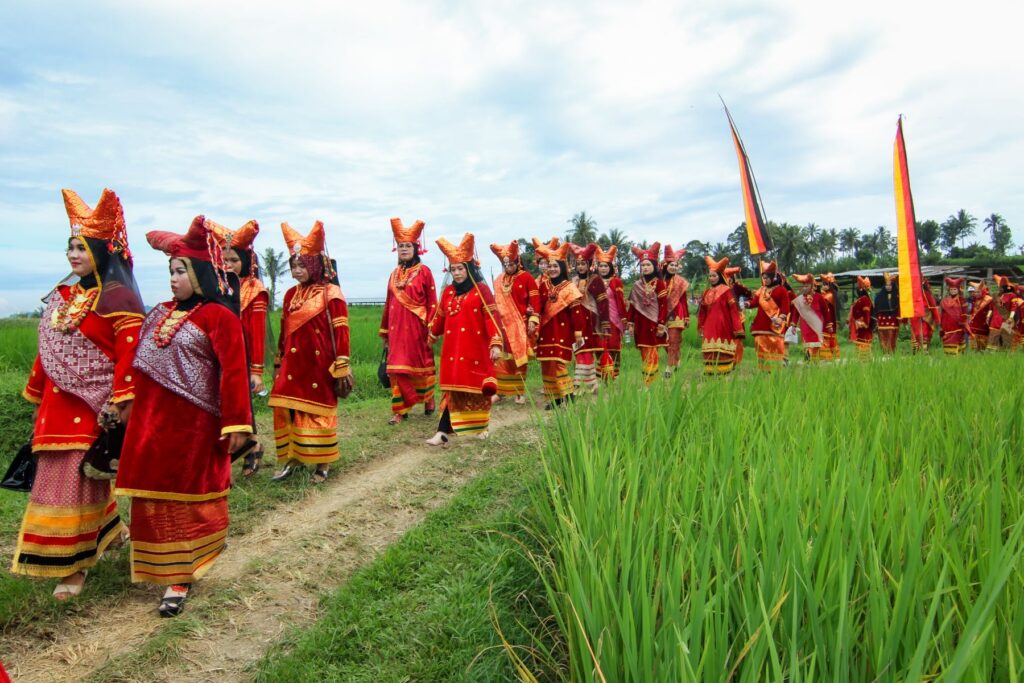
(72,311)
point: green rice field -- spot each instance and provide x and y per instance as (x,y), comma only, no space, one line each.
(856,522)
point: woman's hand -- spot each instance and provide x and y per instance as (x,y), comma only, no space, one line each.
(236,440)
(256,383)
(495,353)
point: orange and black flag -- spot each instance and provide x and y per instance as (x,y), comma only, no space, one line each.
(911,297)
(757,232)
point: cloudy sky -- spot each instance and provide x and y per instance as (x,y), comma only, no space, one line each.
(503,118)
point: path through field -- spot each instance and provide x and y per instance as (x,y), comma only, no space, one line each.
(267,580)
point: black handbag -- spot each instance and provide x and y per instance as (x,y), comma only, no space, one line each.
(382,372)
(22,472)
(101,460)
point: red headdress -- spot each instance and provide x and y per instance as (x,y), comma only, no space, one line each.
(863,283)
(731,272)
(1001,280)
(828,278)
(673,255)
(242,238)
(890,277)
(957,282)
(584,253)
(649,254)
(769,267)
(549,253)
(412,234)
(199,244)
(310,245)
(807,279)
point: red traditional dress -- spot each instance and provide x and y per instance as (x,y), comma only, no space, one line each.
(596,325)
(953,319)
(981,311)
(922,328)
(467,323)
(678,309)
(772,304)
(887,313)
(313,351)
(1006,313)
(648,314)
(87,337)
(254,299)
(719,323)
(829,295)
(739,290)
(518,301)
(192,391)
(810,311)
(611,358)
(860,319)
(408,309)
(561,325)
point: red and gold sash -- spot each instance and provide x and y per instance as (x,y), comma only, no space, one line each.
(770,308)
(417,309)
(314,304)
(565,295)
(512,320)
(714,294)
(251,288)
(677,287)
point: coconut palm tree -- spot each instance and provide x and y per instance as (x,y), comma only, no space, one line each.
(1002,237)
(957,227)
(273,264)
(848,240)
(584,229)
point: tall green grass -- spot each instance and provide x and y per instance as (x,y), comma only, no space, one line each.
(856,522)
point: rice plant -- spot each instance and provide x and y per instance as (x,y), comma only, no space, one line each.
(851,522)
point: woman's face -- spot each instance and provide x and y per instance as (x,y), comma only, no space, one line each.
(79,258)
(888,285)
(604,269)
(954,291)
(511,267)
(542,265)
(714,278)
(406,251)
(582,267)
(646,267)
(672,267)
(459,273)
(553,269)
(181,285)
(806,289)
(233,261)
(299,271)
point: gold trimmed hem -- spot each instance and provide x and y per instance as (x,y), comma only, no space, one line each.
(303,406)
(165,495)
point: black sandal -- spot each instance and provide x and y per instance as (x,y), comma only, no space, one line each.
(173,606)
(319,476)
(252,462)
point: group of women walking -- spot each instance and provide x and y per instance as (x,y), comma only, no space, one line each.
(175,384)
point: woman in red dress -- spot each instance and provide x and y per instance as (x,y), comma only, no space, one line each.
(596,325)
(192,411)
(312,366)
(678,309)
(772,302)
(719,323)
(240,258)
(953,317)
(1006,312)
(611,359)
(860,322)
(87,338)
(408,310)
(887,313)
(561,325)
(922,328)
(730,276)
(648,311)
(467,321)
(518,302)
(830,297)
(809,311)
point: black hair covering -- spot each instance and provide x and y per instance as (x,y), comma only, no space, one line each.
(112,272)
(205,275)
(561,273)
(887,302)
(774,280)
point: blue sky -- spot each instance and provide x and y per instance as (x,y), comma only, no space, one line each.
(502,118)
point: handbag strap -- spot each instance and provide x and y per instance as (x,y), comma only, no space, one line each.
(330,324)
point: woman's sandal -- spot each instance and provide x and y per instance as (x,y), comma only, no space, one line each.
(287,471)
(440,439)
(319,476)
(66,591)
(173,601)
(252,462)
(396,419)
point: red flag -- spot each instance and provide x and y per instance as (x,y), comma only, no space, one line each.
(911,298)
(757,232)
